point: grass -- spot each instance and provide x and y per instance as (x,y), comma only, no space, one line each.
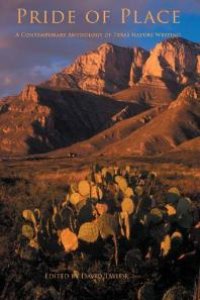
(30,183)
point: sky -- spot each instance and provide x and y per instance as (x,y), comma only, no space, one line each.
(33,60)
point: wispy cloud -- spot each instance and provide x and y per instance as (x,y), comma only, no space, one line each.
(34,60)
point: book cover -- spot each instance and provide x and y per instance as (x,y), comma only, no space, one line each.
(99,150)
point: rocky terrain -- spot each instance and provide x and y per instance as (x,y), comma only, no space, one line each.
(113,107)
(109,69)
(157,130)
(39,120)
(124,100)
(106,70)
(174,60)
(179,123)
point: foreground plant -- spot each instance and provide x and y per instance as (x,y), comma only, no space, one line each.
(118,208)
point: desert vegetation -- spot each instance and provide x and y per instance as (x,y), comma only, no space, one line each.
(118,231)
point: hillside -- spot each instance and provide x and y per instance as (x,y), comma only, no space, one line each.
(39,120)
(176,125)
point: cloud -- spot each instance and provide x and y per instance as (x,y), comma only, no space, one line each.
(34,60)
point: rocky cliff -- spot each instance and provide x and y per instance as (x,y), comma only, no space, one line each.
(174,60)
(172,64)
(61,111)
(106,70)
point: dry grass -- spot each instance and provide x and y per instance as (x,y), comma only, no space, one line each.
(33,183)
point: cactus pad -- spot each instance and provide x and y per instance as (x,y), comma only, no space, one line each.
(89,232)
(27,231)
(184,206)
(96,192)
(125,222)
(34,244)
(165,245)
(173,195)
(171,211)
(104,171)
(86,213)
(155,216)
(108,225)
(185,221)
(98,177)
(176,240)
(139,190)
(101,208)
(69,240)
(122,183)
(128,205)
(129,192)
(28,215)
(75,198)
(84,188)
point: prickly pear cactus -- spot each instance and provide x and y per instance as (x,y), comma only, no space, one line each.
(86,213)
(29,215)
(84,188)
(165,245)
(173,195)
(184,206)
(96,192)
(75,198)
(116,209)
(89,232)
(122,183)
(155,216)
(128,205)
(108,225)
(28,231)
(139,190)
(171,210)
(68,239)
(176,293)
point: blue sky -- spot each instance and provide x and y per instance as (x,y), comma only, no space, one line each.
(25,61)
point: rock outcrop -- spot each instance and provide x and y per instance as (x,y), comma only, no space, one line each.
(63,111)
(171,65)
(174,60)
(30,93)
(106,70)
(190,95)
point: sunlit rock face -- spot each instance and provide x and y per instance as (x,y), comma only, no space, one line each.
(175,60)
(110,69)
(106,70)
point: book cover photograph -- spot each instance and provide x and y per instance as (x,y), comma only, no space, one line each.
(99,150)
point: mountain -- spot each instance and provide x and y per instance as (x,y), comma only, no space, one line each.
(179,123)
(174,60)
(158,130)
(110,136)
(191,145)
(40,119)
(111,101)
(106,70)
(109,69)
(146,93)
(134,74)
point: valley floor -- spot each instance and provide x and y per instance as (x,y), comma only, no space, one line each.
(181,169)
